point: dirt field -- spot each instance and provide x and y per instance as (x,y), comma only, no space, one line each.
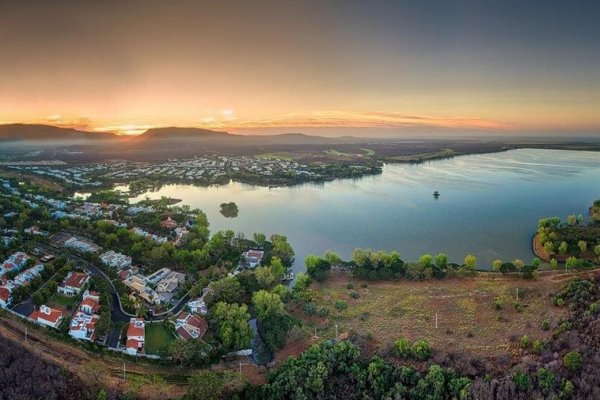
(467,317)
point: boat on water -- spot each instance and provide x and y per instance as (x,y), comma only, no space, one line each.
(436,194)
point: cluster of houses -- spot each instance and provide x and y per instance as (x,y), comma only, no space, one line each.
(16,263)
(157,288)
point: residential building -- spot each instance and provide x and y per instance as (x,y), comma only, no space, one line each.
(136,336)
(82,245)
(83,326)
(253,257)
(197,306)
(190,326)
(169,223)
(73,283)
(47,316)
(116,260)
(90,304)
(5,296)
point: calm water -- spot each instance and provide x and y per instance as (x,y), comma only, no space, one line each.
(489,206)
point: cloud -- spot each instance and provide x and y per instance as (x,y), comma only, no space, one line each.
(367,119)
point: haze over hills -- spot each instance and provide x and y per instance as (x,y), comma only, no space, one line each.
(34,132)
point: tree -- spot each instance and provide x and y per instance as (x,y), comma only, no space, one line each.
(545,379)
(265,277)
(227,289)
(536,262)
(421,350)
(597,250)
(554,263)
(519,264)
(571,262)
(582,244)
(234,332)
(206,385)
(260,239)
(38,298)
(573,361)
(333,257)
(317,268)
(267,303)
(549,247)
(425,260)
(470,261)
(496,264)
(441,260)
(571,219)
(402,348)
(563,247)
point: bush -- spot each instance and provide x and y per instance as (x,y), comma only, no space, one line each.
(545,379)
(402,348)
(421,350)
(350,286)
(354,295)
(323,312)
(310,308)
(546,325)
(364,285)
(519,307)
(537,346)
(525,342)
(521,379)
(341,305)
(573,361)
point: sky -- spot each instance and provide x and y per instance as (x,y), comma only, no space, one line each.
(380,68)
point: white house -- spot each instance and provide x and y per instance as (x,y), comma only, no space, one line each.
(116,260)
(90,304)
(47,316)
(83,326)
(73,283)
(136,336)
(253,257)
(189,326)
(197,306)
(5,296)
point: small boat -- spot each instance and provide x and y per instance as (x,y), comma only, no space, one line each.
(436,194)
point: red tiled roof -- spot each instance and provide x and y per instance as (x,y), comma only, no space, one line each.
(4,293)
(133,330)
(93,304)
(133,344)
(53,317)
(75,279)
(198,323)
(183,333)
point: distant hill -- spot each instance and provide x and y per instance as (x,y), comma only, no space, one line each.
(48,133)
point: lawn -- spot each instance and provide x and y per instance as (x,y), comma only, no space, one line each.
(157,337)
(65,303)
(467,315)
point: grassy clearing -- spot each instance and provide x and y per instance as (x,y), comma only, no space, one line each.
(63,302)
(368,152)
(466,308)
(157,337)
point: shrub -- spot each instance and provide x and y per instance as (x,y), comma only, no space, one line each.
(402,348)
(421,350)
(364,285)
(537,346)
(573,361)
(498,304)
(323,312)
(521,379)
(350,286)
(545,379)
(519,307)
(341,305)
(546,325)
(354,295)
(310,308)
(525,342)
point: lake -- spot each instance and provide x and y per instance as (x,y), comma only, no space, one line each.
(489,205)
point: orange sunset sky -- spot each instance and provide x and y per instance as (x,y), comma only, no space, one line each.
(327,67)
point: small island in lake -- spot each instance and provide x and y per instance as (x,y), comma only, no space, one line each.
(229,210)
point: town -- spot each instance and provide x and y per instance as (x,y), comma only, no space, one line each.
(133,279)
(267,169)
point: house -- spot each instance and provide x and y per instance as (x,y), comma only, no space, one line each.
(73,283)
(35,230)
(136,336)
(138,285)
(190,326)
(82,245)
(180,233)
(27,276)
(197,306)
(83,326)
(47,316)
(14,263)
(5,296)
(90,304)
(116,260)
(253,257)
(169,223)
(170,283)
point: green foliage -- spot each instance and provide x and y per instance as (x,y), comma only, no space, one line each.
(545,380)
(573,361)
(341,305)
(227,289)
(317,268)
(206,385)
(421,350)
(336,370)
(525,342)
(267,303)
(233,329)
(521,379)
